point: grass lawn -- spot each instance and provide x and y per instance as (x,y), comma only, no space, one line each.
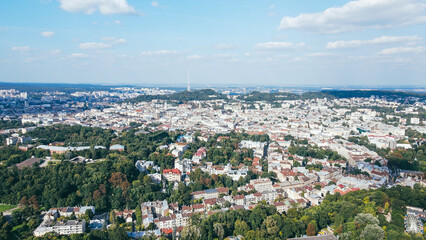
(6,207)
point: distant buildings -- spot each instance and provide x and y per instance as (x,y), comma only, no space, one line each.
(321,237)
(61,228)
(16,139)
(210,193)
(143,166)
(28,163)
(172,175)
(117,147)
(61,150)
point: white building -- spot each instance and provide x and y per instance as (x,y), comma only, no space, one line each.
(172,175)
(262,184)
(62,228)
(183,165)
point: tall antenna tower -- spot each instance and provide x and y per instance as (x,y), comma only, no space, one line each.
(189,85)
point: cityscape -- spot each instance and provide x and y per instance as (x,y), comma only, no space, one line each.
(149,120)
(205,153)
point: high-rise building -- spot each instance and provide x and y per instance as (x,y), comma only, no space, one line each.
(189,85)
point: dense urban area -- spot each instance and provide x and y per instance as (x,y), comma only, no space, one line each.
(97,162)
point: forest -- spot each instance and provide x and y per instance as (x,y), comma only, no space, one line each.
(4,124)
(112,182)
(330,94)
(184,96)
(51,87)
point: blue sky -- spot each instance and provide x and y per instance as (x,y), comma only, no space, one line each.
(247,42)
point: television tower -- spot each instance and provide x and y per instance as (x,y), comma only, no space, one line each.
(189,85)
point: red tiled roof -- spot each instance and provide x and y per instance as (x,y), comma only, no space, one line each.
(167,230)
(223,190)
(171,171)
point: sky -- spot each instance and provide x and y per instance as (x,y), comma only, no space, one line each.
(218,42)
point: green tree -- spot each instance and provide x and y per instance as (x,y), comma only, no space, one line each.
(138,214)
(372,232)
(218,230)
(117,233)
(191,232)
(240,227)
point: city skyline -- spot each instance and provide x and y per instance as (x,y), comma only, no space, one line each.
(275,43)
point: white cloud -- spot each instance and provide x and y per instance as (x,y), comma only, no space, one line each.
(55,51)
(296,59)
(379,40)
(225,56)
(320,54)
(402,50)
(391,59)
(194,57)
(47,34)
(21,49)
(103,6)
(114,40)
(78,55)
(94,45)
(360,14)
(117,22)
(161,53)
(155,4)
(225,46)
(272,6)
(278,45)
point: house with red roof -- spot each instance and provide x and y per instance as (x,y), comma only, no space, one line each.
(172,175)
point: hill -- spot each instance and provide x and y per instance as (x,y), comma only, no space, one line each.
(369,93)
(330,94)
(201,95)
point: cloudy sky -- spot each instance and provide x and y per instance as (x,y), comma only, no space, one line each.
(246,42)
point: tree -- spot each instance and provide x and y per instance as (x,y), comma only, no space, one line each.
(292,212)
(240,227)
(89,213)
(366,218)
(5,227)
(191,232)
(151,226)
(331,183)
(289,228)
(98,235)
(372,232)
(311,229)
(34,202)
(218,230)
(271,226)
(112,217)
(393,235)
(118,233)
(188,154)
(138,214)
(251,235)
(24,201)
(118,179)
